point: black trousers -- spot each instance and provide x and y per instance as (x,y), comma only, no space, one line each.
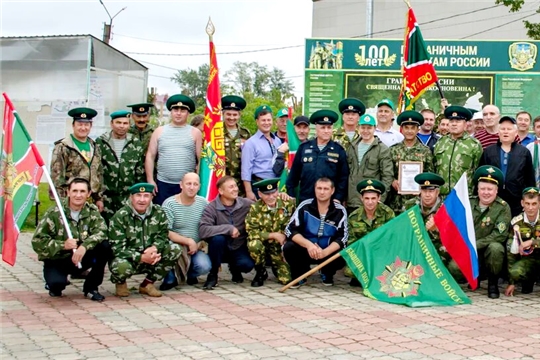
(299,260)
(56,271)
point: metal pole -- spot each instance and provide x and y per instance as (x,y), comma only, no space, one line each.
(369,18)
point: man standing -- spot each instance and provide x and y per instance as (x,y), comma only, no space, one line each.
(260,151)
(178,148)
(141,128)
(351,109)
(265,225)
(385,117)
(235,137)
(319,158)
(138,233)
(369,216)
(491,217)
(515,162)
(410,149)
(458,152)
(426,134)
(368,158)
(77,156)
(301,128)
(121,156)
(524,261)
(490,135)
(477,123)
(184,211)
(223,227)
(281,121)
(524,119)
(444,126)
(88,247)
(317,230)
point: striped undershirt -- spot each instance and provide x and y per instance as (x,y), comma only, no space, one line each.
(485,138)
(184,219)
(118,146)
(176,153)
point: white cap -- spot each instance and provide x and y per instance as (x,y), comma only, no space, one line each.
(478,115)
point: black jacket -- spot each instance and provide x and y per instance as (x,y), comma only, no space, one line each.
(432,140)
(519,174)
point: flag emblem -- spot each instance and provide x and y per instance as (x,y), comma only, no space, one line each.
(401,279)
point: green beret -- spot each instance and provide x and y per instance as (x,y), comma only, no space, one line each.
(282,112)
(141,188)
(323,117)
(233,102)
(82,114)
(267,186)
(120,114)
(410,117)
(429,180)
(367,119)
(262,108)
(488,173)
(455,112)
(386,102)
(141,108)
(352,105)
(531,190)
(370,185)
(182,101)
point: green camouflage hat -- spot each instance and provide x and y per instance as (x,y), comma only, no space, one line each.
(182,101)
(370,185)
(141,188)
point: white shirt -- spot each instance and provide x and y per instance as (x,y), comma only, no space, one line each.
(390,136)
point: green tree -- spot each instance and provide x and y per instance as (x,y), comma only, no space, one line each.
(258,80)
(193,83)
(533,29)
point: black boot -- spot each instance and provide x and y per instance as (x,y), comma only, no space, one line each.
(355,283)
(260,276)
(493,287)
(237,277)
(527,287)
(211,282)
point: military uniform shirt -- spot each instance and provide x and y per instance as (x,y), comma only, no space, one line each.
(360,225)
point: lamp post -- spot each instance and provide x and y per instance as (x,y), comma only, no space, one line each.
(108,27)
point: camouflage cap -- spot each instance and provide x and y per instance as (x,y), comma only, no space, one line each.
(141,108)
(488,173)
(267,186)
(182,101)
(352,105)
(233,102)
(370,185)
(410,117)
(429,180)
(141,188)
(120,114)
(82,114)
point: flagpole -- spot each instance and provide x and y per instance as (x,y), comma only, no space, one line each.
(60,207)
(312,271)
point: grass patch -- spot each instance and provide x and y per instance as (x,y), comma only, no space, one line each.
(45,204)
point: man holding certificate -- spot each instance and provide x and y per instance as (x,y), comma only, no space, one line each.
(410,158)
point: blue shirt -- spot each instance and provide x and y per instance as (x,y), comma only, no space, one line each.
(424,138)
(258,156)
(505,158)
(528,139)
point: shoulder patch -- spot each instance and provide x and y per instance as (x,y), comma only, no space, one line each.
(501,227)
(517,219)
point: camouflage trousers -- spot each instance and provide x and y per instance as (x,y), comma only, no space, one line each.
(490,259)
(258,250)
(122,269)
(526,268)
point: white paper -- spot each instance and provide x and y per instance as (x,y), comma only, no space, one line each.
(49,129)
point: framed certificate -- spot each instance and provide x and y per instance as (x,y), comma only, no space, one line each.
(407,171)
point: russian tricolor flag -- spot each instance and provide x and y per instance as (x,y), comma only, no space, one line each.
(455,223)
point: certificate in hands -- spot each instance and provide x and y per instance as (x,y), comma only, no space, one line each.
(407,171)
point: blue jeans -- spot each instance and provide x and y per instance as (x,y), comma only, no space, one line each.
(165,190)
(219,252)
(200,265)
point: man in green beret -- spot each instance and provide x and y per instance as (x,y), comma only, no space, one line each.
(429,202)
(458,152)
(177,148)
(351,109)
(138,234)
(77,156)
(368,158)
(491,217)
(122,156)
(524,255)
(235,136)
(410,149)
(370,215)
(282,117)
(318,158)
(265,226)
(88,247)
(141,128)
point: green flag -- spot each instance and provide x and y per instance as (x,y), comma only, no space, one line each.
(397,263)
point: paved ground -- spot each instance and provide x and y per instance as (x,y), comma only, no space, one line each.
(239,322)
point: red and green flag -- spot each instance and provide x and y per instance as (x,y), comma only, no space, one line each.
(294,143)
(21,170)
(212,166)
(397,263)
(417,69)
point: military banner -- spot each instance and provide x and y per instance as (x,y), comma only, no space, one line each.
(397,263)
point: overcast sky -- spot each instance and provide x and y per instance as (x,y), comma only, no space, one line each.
(176,27)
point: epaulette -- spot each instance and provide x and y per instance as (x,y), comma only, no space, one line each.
(516,219)
(501,201)
(58,141)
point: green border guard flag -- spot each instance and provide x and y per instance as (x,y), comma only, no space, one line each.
(397,263)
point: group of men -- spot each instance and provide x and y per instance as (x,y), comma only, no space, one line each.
(131,200)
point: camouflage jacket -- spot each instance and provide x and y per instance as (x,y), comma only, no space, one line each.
(528,232)
(143,136)
(67,162)
(426,214)
(340,136)
(376,164)
(490,225)
(260,221)
(360,225)
(455,157)
(120,174)
(400,152)
(130,234)
(233,151)
(50,234)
